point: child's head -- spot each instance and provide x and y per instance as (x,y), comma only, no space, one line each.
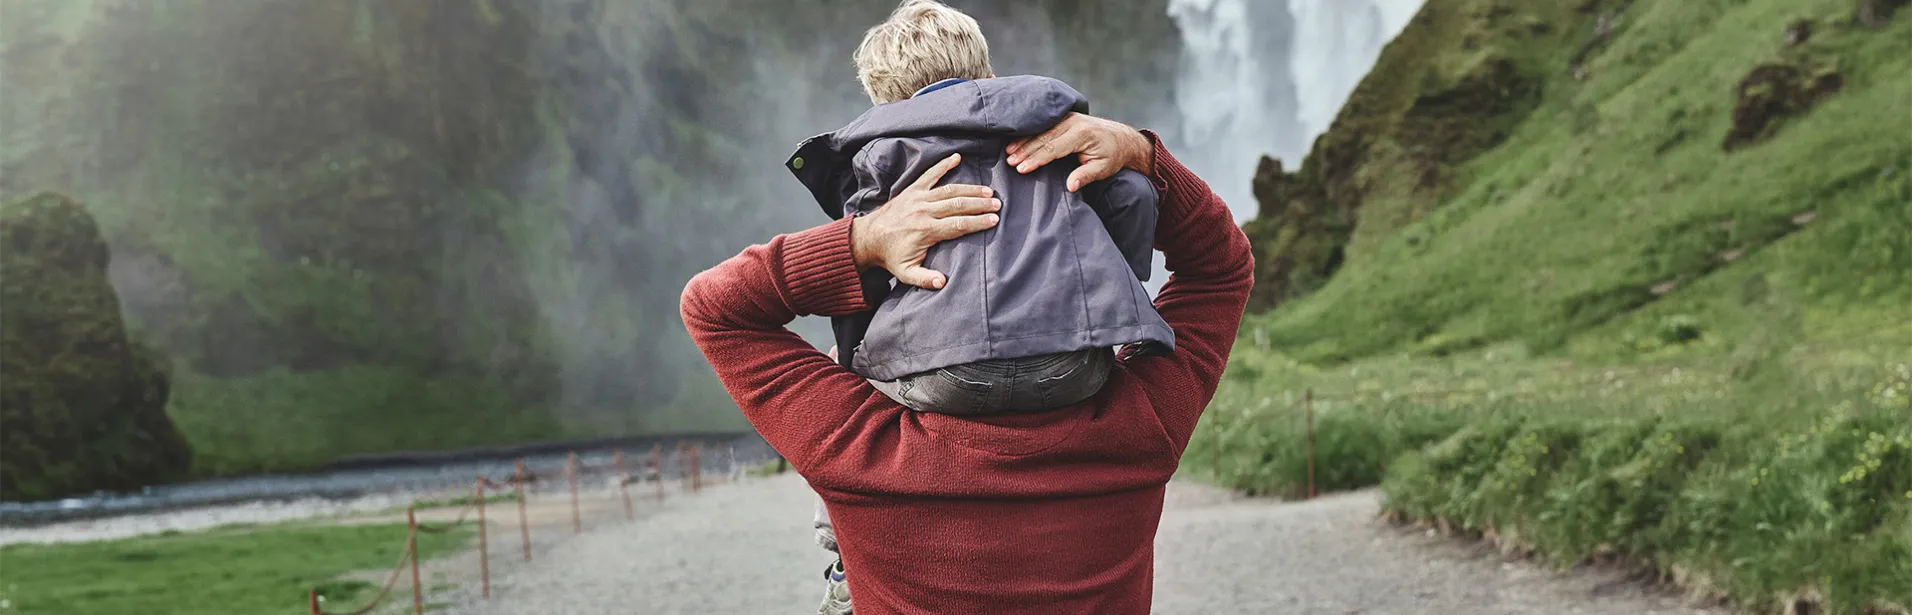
(923,42)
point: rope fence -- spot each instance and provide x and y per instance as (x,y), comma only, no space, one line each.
(689,462)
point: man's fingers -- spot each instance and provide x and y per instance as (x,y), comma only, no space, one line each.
(921,277)
(965,206)
(935,174)
(954,191)
(1091,172)
(1047,150)
(958,226)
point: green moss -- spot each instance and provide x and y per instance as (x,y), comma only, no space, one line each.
(84,406)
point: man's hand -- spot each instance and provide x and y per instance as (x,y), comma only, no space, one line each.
(898,235)
(1104,148)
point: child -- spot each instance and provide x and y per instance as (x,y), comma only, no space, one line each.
(1032,309)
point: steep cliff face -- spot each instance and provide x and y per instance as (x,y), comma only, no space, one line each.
(1447,89)
(84,407)
(1583,172)
(407,225)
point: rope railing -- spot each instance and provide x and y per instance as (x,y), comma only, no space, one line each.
(690,470)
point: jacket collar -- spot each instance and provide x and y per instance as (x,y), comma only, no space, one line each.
(938,85)
(999,107)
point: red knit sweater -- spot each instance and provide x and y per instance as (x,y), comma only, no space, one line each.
(1047,513)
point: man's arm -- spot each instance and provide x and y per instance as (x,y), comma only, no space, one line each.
(802,402)
(1211,268)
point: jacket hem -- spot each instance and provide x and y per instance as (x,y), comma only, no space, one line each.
(1066,341)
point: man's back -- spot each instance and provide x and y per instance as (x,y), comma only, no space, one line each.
(1042,513)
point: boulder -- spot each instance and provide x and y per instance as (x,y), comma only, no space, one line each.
(82,408)
(1773,92)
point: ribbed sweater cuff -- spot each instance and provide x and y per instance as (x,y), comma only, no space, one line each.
(818,273)
(1171,178)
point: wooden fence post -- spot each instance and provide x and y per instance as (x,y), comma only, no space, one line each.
(623,484)
(696,467)
(484,549)
(524,525)
(418,589)
(657,469)
(1307,401)
(571,472)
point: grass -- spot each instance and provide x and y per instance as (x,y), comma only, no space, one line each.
(237,570)
(282,420)
(462,501)
(1617,184)
(1609,337)
(1761,488)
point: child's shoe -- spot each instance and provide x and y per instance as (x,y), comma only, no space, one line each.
(836,597)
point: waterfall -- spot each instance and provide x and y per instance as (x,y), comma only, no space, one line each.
(1336,42)
(1268,76)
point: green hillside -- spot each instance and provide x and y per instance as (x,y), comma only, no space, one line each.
(1607,280)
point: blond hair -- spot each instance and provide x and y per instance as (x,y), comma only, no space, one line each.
(922,42)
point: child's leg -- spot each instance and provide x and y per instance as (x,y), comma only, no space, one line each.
(1054,381)
(1025,384)
(836,589)
(826,533)
(942,391)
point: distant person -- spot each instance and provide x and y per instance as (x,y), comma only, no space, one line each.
(1038,304)
(1001,509)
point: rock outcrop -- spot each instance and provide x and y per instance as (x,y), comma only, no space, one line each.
(1450,87)
(82,407)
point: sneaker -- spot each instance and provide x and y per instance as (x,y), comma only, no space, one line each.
(836,595)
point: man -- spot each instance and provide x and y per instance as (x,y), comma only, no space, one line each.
(1052,512)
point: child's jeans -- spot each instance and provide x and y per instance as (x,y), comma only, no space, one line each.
(1004,386)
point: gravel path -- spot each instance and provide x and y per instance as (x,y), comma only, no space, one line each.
(746,548)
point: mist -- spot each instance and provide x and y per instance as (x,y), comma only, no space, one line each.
(326,215)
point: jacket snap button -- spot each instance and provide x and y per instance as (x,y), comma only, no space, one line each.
(797,163)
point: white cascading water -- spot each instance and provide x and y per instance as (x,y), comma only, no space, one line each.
(1268,76)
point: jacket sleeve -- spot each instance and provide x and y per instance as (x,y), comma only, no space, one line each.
(1126,204)
(1211,270)
(802,403)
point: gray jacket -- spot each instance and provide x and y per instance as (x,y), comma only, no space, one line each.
(1061,272)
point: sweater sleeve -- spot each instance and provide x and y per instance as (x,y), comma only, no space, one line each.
(797,398)
(1211,270)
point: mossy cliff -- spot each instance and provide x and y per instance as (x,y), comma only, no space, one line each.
(1528,171)
(84,407)
(1448,88)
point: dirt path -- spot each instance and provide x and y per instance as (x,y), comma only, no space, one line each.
(746,549)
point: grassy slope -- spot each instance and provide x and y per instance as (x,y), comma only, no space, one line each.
(248,570)
(1501,362)
(1619,183)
